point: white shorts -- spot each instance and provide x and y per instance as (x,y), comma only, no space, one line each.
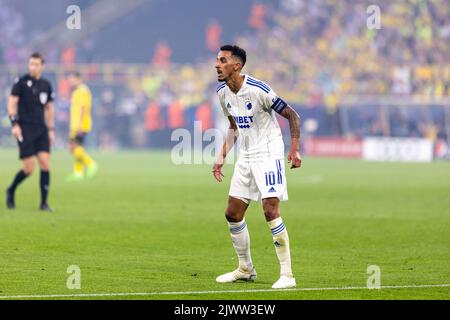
(259,180)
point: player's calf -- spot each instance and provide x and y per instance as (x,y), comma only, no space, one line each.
(44,181)
(240,238)
(10,192)
(281,242)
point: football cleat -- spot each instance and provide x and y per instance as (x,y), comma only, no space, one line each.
(237,274)
(45,207)
(10,203)
(91,171)
(284,282)
(74,176)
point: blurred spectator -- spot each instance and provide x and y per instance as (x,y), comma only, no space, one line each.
(313,53)
(203,114)
(175,115)
(257,15)
(213,36)
(162,54)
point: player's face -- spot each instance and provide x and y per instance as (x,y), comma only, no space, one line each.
(35,67)
(226,65)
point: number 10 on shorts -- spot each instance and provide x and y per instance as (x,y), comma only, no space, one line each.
(270,178)
(270,175)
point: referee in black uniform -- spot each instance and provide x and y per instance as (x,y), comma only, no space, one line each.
(31,111)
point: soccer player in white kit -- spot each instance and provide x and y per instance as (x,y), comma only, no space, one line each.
(259,173)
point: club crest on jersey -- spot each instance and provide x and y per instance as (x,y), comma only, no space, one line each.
(43,97)
(249,105)
(29,83)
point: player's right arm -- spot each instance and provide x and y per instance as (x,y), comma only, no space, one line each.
(16,131)
(230,140)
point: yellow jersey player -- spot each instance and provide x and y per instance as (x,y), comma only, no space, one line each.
(80,126)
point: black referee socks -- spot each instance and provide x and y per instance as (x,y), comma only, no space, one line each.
(45,183)
(20,176)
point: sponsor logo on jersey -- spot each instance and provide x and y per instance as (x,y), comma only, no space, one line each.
(228,105)
(272,190)
(243,121)
(277,244)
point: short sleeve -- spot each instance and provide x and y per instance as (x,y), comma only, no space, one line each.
(51,93)
(17,88)
(222,104)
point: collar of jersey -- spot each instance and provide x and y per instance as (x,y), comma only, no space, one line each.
(243,84)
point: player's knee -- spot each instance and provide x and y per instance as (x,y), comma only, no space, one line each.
(28,168)
(271,214)
(235,210)
(271,209)
(233,216)
(73,145)
(28,171)
(44,165)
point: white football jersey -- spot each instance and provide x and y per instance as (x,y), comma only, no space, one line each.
(253,109)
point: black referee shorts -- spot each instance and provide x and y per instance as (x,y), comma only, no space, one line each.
(35,140)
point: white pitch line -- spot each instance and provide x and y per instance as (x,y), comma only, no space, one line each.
(119,294)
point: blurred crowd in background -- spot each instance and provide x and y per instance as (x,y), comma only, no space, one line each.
(315,54)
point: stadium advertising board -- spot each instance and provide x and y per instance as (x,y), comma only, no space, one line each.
(333,147)
(398,149)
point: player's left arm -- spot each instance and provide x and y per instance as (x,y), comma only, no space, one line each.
(272,102)
(294,127)
(49,113)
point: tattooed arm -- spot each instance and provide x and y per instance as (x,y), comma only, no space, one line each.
(294,127)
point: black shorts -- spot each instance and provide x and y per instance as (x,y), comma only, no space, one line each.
(79,138)
(35,140)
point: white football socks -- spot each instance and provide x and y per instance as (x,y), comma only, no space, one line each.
(281,242)
(241,242)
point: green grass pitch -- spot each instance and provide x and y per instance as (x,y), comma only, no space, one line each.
(145,225)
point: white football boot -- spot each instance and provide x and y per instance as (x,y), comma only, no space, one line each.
(284,282)
(237,274)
